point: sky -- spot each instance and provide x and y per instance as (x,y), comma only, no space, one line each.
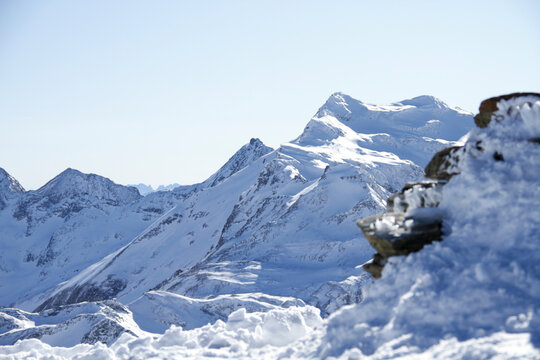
(161,92)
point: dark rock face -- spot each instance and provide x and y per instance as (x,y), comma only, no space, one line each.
(394,234)
(444,163)
(106,331)
(489,106)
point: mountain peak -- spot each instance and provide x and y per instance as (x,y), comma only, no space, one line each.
(242,158)
(381,127)
(70,172)
(339,98)
(74,182)
(65,178)
(338,95)
(9,182)
(342,105)
(337,105)
(425,101)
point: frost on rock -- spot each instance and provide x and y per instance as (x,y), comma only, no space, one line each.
(421,194)
(394,234)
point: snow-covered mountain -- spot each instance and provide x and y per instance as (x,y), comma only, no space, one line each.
(270,229)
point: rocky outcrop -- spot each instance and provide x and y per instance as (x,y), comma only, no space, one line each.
(394,234)
(444,164)
(407,225)
(490,106)
(412,220)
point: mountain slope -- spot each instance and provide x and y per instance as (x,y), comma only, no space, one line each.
(50,234)
(77,219)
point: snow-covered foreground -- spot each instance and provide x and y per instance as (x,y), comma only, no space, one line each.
(296,333)
(475,295)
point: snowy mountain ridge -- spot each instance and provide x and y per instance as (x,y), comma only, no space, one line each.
(9,183)
(270,224)
(242,158)
(9,188)
(72,183)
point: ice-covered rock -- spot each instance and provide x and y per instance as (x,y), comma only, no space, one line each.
(491,106)
(420,194)
(394,234)
(445,163)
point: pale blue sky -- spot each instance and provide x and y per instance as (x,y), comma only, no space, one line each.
(166,91)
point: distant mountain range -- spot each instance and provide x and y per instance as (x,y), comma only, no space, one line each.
(147,189)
